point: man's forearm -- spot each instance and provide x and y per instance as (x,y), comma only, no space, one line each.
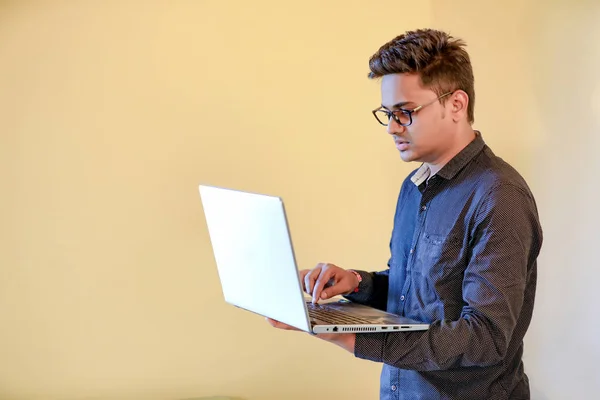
(345,340)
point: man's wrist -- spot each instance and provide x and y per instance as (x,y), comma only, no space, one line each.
(346,341)
(359,280)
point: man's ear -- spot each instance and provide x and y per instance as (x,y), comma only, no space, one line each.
(459,102)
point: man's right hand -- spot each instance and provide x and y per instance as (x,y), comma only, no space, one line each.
(327,280)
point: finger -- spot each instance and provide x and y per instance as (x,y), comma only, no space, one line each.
(324,278)
(331,284)
(311,277)
(281,325)
(303,281)
(303,273)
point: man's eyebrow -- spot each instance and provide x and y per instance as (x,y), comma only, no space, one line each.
(398,105)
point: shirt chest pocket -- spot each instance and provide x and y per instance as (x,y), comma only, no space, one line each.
(438,256)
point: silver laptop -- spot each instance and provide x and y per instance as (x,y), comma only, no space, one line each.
(257,268)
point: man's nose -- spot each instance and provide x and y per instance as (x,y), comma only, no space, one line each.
(394,128)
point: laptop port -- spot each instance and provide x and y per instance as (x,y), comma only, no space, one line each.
(395,328)
(384,327)
(335,329)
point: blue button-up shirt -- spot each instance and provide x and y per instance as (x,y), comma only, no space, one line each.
(463,258)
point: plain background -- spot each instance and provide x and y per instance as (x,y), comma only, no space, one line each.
(111,114)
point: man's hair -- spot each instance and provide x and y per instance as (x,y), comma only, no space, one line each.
(440,60)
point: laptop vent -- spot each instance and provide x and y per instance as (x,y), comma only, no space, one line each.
(365,329)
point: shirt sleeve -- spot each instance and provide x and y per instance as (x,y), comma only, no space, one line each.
(506,239)
(373,290)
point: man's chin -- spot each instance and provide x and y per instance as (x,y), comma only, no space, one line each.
(407,156)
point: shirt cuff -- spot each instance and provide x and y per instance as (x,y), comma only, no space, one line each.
(365,287)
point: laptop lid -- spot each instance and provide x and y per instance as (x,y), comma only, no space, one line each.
(254,255)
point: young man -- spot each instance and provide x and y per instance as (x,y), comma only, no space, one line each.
(464,245)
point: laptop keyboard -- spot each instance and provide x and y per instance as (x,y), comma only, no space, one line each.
(333,316)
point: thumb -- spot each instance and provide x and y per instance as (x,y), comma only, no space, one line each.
(337,286)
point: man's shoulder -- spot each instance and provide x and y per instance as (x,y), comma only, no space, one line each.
(493,173)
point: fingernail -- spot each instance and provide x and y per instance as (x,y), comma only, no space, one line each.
(323,295)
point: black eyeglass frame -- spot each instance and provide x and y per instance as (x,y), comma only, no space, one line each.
(408,113)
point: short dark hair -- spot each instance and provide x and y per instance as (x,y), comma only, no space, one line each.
(439,59)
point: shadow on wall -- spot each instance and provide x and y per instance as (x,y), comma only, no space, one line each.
(565,59)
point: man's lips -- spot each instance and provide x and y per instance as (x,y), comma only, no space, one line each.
(401,144)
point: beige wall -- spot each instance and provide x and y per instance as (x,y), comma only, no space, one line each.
(537,69)
(111,114)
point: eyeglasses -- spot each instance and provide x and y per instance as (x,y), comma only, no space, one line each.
(401,116)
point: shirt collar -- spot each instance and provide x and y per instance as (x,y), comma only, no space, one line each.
(421,175)
(453,166)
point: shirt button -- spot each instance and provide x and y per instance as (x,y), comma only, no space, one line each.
(412,251)
(394,388)
(423,208)
(402,297)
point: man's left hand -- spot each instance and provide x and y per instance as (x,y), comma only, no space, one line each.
(344,340)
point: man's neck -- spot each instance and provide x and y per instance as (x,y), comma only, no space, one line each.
(463,141)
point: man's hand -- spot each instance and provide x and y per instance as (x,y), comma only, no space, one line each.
(327,280)
(323,282)
(344,340)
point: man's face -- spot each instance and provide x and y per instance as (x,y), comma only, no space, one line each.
(428,137)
